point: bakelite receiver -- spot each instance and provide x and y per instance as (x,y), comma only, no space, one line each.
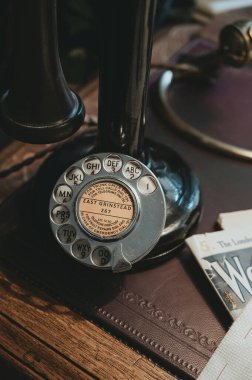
(38,107)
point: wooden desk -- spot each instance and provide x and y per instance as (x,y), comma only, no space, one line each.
(45,339)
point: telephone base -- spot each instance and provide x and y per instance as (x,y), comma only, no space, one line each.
(180,185)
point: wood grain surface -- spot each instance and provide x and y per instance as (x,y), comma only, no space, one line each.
(54,342)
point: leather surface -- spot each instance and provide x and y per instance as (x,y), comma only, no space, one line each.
(163,311)
(170,311)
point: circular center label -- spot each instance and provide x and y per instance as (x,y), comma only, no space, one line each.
(106,209)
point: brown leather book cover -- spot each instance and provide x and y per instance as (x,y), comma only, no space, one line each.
(169,312)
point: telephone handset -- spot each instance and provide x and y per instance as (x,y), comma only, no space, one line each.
(107,211)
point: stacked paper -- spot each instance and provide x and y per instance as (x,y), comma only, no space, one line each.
(214,7)
(226,258)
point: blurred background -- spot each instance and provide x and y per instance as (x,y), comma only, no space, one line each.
(78,30)
(78,34)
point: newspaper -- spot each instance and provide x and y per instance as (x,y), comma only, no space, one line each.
(226,258)
(236,219)
(214,7)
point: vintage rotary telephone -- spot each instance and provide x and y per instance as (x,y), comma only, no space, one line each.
(114,198)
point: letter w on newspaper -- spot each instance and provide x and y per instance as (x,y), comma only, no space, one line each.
(226,258)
